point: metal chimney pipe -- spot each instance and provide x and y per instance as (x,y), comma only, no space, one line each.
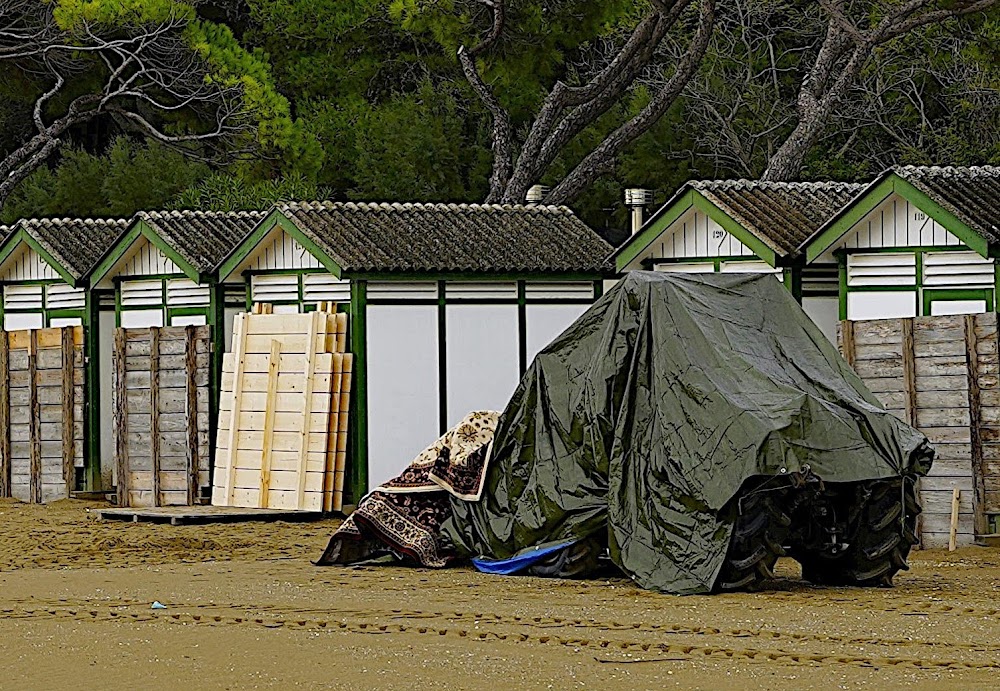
(637,199)
(536,193)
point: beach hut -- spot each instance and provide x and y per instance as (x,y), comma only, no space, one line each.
(448,303)
(919,240)
(45,267)
(744,226)
(162,271)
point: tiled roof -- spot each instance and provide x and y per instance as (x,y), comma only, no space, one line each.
(203,238)
(446,238)
(971,194)
(781,214)
(78,244)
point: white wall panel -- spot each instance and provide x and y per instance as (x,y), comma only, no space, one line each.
(894,223)
(881,304)
(278,250)
(14,321)
(57,322)
(189,320)
(28,265)
(942,307)
(687,268)
(141,319)
(483,358)
(403,386)
(544,322)
(144,259)
(691,236)
(825,312)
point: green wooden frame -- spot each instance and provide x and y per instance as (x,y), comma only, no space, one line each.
(275,219)
(684,201)
(828,236)
(140,229)
(931,295)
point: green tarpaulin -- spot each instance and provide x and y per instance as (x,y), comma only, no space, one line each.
(645,417)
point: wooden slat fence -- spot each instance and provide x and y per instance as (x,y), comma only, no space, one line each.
(161,415)
(41,412)
(941,375)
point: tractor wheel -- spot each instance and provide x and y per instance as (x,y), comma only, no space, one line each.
(578,560)
(756,542)
(885,533)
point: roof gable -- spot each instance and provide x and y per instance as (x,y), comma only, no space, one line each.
(355,238)
(962,200)
(771,218)
(70,246)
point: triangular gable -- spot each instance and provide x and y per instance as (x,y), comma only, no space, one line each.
(276,244)
(722,233)
(22,258)
(142,252)
(867,215)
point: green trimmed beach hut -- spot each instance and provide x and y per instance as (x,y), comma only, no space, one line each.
(45,269)
(163,271)
(744,226)
(920,240)
(448,303)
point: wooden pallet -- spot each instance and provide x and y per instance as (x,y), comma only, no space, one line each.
(199,515)
(283,412)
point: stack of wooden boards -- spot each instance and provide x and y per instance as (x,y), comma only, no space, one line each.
(282,435)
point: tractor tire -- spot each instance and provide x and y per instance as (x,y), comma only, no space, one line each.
(759,531)
(885,533)
(579,560)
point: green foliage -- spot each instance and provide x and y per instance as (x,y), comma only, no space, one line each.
(127,178)
(419,148)
(222,192)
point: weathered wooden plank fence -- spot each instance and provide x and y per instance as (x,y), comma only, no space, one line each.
(161,415)
(941,375)
(41,412)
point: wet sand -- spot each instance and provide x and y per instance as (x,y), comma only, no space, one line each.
(246,609)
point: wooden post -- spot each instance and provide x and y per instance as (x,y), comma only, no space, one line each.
(5,465)
(975,428)
(191,413)
(910,401)
(68,405)
(270,403)
(120,418)
(956,495)
(154,409)
(35,421)
(847,341)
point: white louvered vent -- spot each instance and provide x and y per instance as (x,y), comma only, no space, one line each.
(820,278)
(687,268)
(887,269)
(274,287)
(60,296)
(958,270)
(187,293)
(402,291)
(324,287)
(581,290)
(141,293)
(480,291)
(22,297)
